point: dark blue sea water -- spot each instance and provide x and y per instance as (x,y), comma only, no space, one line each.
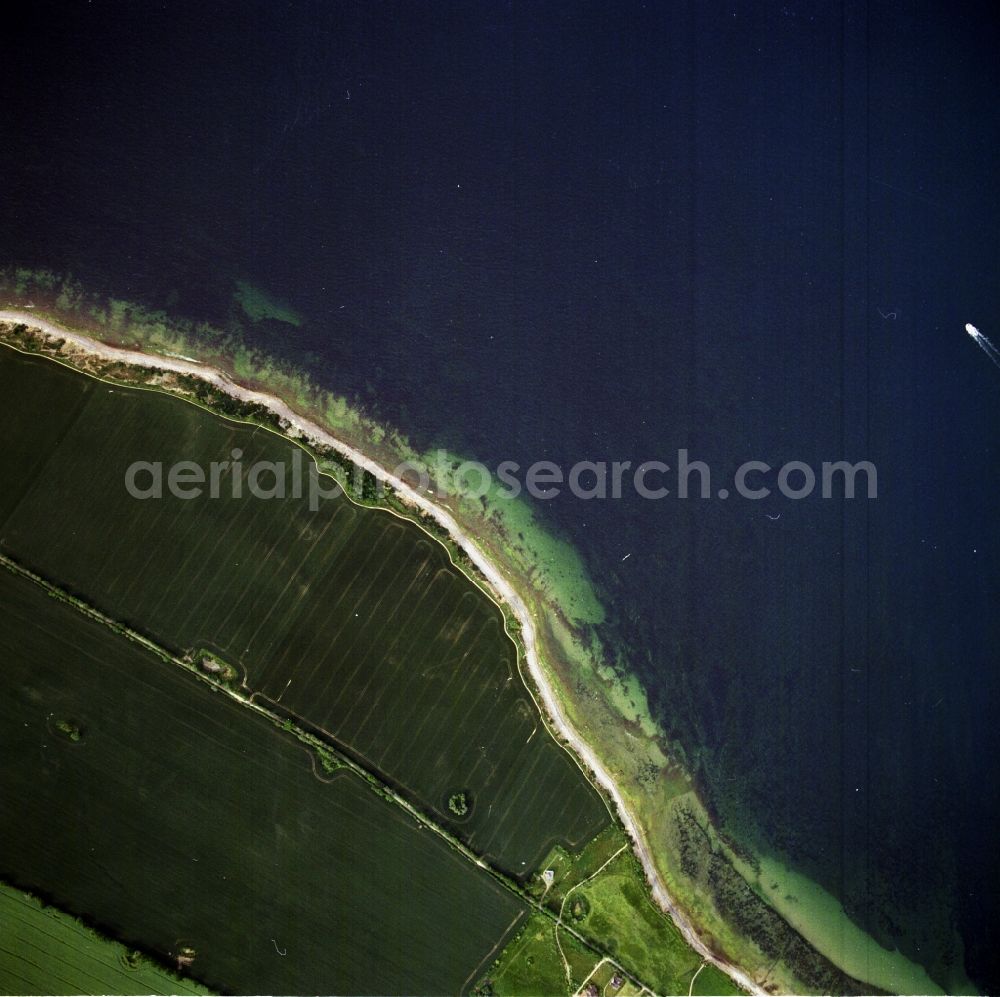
(610,231)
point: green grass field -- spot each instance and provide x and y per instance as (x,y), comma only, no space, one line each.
(613,910)
(533,966)
(168,816)
(601,893)
(44,951)
(349,618)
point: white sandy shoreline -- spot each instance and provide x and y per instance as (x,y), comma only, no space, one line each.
(311,431)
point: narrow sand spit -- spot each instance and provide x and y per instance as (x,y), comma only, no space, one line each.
(310,431)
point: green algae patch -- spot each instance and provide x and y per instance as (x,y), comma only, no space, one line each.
(820,918)
(258,305)
(626,693)
(555,567)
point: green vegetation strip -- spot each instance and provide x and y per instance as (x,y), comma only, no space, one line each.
(45,951)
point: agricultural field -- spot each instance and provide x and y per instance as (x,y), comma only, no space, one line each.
(33,426)
(44,951)
(166,814)
(351,619)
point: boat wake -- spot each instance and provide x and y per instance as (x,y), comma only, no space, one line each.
(983,342)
